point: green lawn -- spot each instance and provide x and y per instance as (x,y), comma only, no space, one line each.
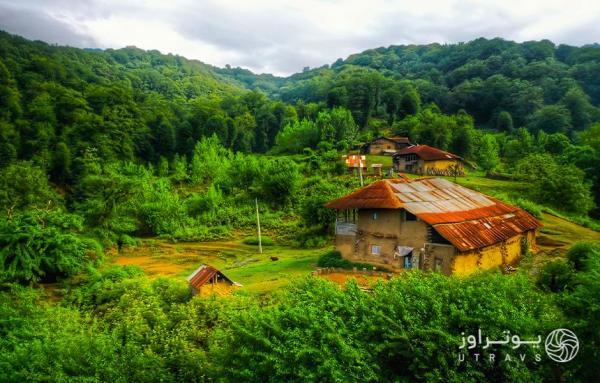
(258,273)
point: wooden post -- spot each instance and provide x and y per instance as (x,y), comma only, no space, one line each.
(258,226)
(360,169)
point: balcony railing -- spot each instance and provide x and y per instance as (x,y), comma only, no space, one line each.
(345,228)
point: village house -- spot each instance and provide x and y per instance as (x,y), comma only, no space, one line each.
(385,145)
(207,280)
(424,159)
(430,224)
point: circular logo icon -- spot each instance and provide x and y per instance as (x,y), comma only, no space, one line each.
(562,345)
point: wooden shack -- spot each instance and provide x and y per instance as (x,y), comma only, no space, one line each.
(430,224)
(207,280)
(427,160)
(385,145)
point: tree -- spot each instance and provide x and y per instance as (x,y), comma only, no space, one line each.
(551,119)
(210,162)
(337,127)
(486,152)
(61,164)
(35,245)
(297,136)
(25,186)
(579,106)
(581,307)
(280,181)
(410,103)
(164,138)
(504,122)
(561,186)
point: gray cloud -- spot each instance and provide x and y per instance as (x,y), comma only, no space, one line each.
(37,25)
(283,37)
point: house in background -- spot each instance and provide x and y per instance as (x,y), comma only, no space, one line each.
(207,280)
(385,145)
(424,159)
(430,224)
(355,162)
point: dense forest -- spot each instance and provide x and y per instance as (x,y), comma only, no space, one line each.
(99,148)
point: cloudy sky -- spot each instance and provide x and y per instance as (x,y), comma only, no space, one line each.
(282,37)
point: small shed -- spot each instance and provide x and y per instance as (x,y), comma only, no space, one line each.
(207,279)
(355,161)
(376,169)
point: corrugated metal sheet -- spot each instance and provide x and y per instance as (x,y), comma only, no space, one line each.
(355,161)
(483,232)
(427,153)
(465,217)
(204,274)
(378,195)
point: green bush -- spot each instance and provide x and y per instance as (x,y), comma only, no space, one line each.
(44,245)
(334,258)
(265,241)
(581,252)
(556,276)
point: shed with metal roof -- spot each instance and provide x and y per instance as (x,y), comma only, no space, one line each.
(207,276)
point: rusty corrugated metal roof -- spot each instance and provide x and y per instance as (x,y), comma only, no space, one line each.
(483,232)
(465,217)
(378,195)
(355,160)
(203,274)
(428,153)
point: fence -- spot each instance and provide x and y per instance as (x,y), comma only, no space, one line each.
(354,270)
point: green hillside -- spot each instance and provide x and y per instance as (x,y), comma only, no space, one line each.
(122,171)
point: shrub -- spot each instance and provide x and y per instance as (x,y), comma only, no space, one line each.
(36,245)
(334,258)
(581,252)
(556,276)
(265,241)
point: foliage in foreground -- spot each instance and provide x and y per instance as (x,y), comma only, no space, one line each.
(118,325)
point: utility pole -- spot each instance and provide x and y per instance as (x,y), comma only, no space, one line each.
(258,226)
(360,169)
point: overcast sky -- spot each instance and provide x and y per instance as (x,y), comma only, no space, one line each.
(282,37)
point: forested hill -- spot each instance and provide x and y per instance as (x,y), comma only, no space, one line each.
(483,77)
(59,105)
(127,104)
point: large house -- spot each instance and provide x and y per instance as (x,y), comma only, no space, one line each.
(424,159)
(430,224)
(386,145)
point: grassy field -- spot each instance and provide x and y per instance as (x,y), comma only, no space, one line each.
(259,274)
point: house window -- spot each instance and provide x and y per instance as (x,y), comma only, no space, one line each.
(375,249)
(438,265)
(375,216)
